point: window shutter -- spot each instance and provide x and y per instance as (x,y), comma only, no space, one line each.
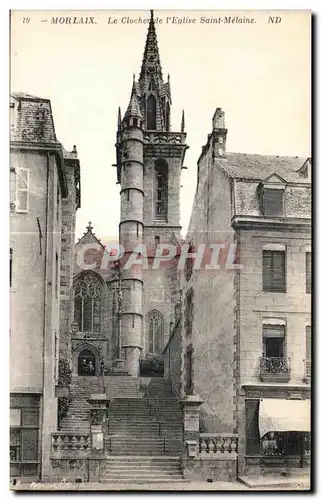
(273,271)
(308,272)
(274,331)
(308,342)
(273,202)
(22,189)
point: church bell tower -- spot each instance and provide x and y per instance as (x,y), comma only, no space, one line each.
(149,162)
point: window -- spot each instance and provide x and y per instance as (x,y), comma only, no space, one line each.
(58,203)
(155,332)
(24,436)
(273,341)
(161,191)
(57,275)
(274,271)
(22,190)
(308,272)
(308,343)
(274,361)
(189,263)
(273,202)
(167,121)
(87,303)
(151,112)
(10,267)
(189,370)
(189,313)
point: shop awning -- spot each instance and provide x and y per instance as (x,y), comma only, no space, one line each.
(284,415)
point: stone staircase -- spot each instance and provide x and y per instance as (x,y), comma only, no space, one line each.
(122,387)
(145,436)
(140,470)
(78,416)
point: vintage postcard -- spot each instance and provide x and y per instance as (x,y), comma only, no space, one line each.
(160,250)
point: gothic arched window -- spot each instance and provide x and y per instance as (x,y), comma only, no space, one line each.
(155,332)
(87,302)
(167,120)
(161,191)
(151,112)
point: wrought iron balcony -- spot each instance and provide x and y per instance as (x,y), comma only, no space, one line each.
(274,369)
(307,370)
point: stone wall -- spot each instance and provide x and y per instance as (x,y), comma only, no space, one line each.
(173,360)
(211,338)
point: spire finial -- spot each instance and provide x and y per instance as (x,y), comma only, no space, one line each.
(133,77)
(89,227)
(151,60)
(183,122)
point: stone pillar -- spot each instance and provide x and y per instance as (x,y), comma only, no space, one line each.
(191,410)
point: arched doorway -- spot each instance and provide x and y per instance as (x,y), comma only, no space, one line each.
(86,363)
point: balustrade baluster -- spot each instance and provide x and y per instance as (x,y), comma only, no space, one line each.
(219,445)
(233,445)
(203,446)
(211,447)
(226,445)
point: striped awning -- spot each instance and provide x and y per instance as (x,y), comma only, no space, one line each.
(284,415)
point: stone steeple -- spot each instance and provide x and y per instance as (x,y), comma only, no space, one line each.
(133,110)
(151,61)
(153,93)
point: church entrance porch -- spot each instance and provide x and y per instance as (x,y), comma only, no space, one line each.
(86,360)
(86,363)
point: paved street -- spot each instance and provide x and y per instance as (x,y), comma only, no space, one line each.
(186,486)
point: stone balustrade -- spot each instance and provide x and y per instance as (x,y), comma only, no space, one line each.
(215,445)
(62,442)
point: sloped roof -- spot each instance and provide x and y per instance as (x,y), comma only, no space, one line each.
(33,121)
(23,95)
(89,237)
(133,106)
(259,167)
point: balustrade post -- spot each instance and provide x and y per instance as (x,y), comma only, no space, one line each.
(191,409)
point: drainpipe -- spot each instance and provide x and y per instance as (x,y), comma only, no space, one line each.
(45,300)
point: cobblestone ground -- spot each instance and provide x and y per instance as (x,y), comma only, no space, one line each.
(190,486)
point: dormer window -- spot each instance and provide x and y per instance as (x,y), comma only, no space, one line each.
(272,192)
(273,202)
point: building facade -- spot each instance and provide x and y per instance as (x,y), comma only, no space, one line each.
(43,176)
(245,329)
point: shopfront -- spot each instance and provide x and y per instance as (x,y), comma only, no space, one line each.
(277,434)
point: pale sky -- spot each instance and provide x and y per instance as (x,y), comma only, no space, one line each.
(258,73)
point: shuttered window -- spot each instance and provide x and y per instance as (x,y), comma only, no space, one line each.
(273,202)
(308,272)
(308,342)
(273,271)
(22,190)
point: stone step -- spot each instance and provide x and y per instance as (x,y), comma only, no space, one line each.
(141,476)
(142,468)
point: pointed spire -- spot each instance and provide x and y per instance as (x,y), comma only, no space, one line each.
(151,60)
(183,122)
(133,109)
(119,118)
